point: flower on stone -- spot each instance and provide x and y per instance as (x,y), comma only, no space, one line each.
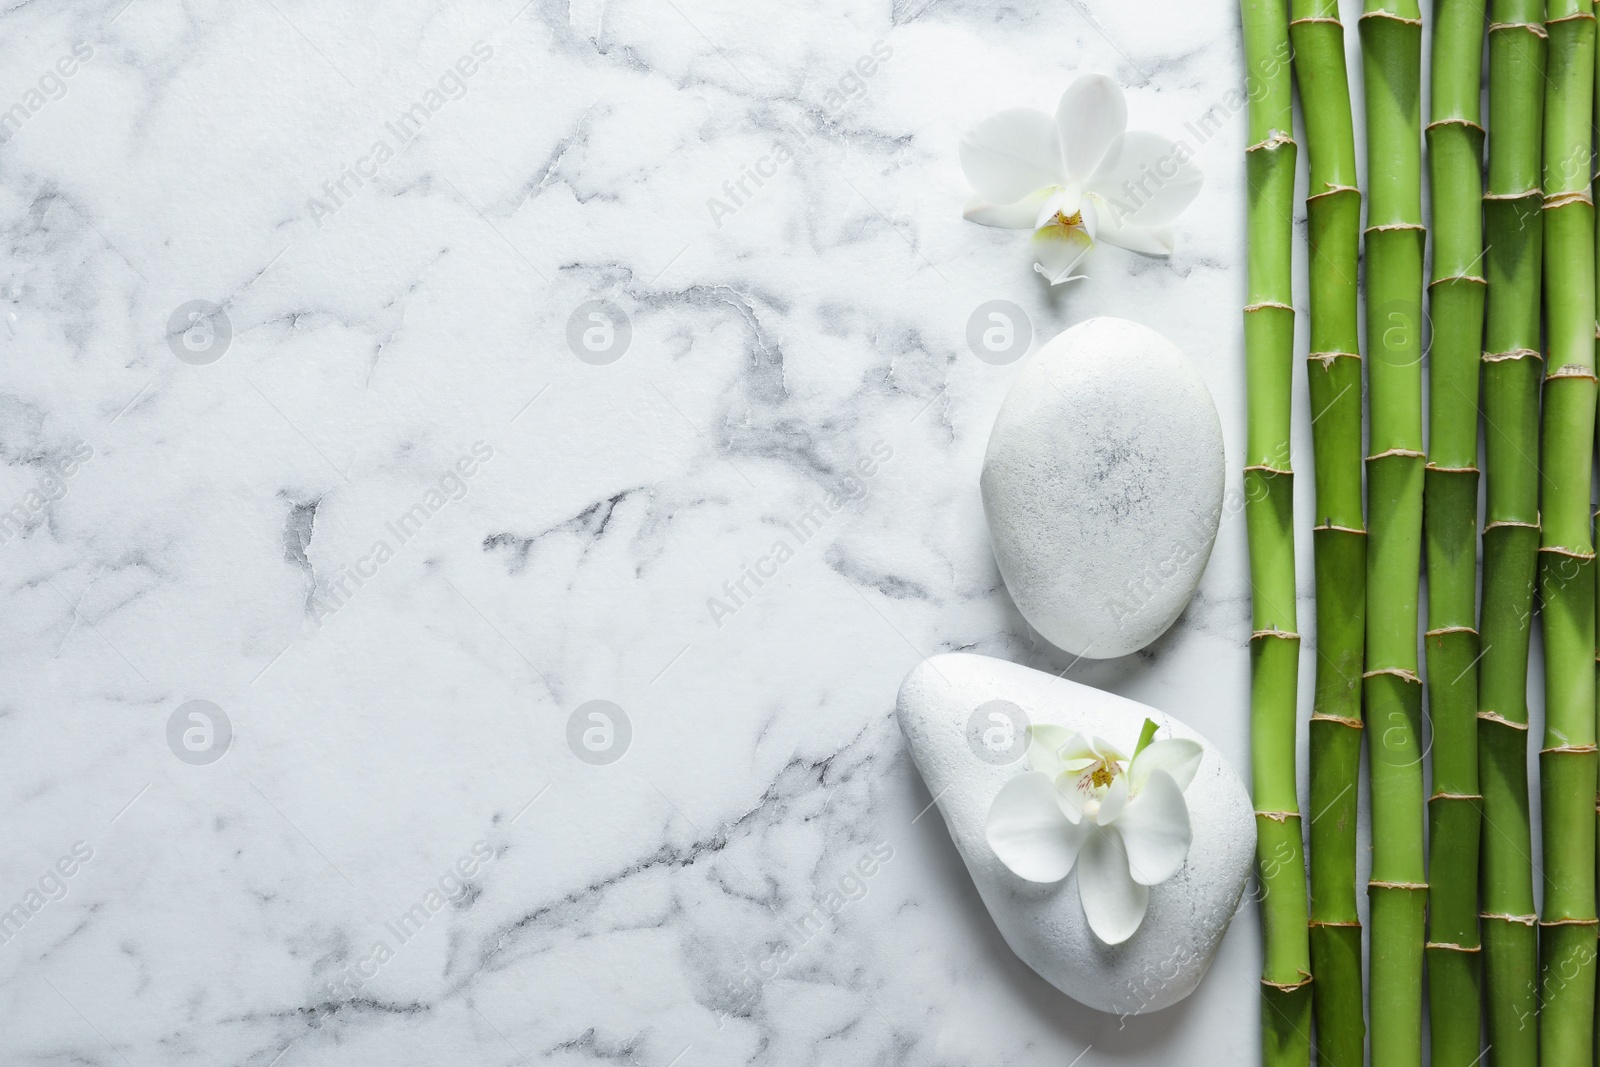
(1078,177)
(1121,822)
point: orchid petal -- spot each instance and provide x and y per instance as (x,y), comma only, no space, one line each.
(1177,756)
(1007,156)
(1022,215)
(1057,250)
(1045,744)
(1092,114)
(1106,750)
(1150,240)
(1063,202)
(1114,800)
(1155,830)
(1113,902)
(1146,179)
(1028,832)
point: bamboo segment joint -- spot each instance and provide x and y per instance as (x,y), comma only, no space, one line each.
(1327,358)
(1572,370)
(1287,635)
(1496,524)
(1288,987)
(1411,452)
(1495,716)
(1532,27)
(1278,816)
(1456,796)
(1314,19)
(1576,16)
(1515,353)
(1526,194)
(1569,922)
(1392,17)
(1457,121)
(1451,470)
(1570,553)
(1354,724)
(1265,304)
(1409,887)
(1448,946)
(1569,750)
(1472,278)
(1391,226)
(1274,140)
(1329,527)
(1399,672)
(1563,199)
(1333,190)
(1525,920)
(1450,630)
(1355,924)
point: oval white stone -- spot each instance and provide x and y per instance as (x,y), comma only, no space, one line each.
(1167,956)
(1102,487)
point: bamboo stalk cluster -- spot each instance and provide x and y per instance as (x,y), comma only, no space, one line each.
(1509,305)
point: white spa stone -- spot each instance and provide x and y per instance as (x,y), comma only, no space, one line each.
(1166,957)
(1103,485)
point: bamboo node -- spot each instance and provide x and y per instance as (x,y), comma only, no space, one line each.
(1265,304)
(1330,527)
(1495,716)
(1410,452)
(1278,816)
(1275,139)
(1571,370)
(1314,19)
(1410,887)
(1327,358)
(1570,553)
(1456,796)
(1451,946)
(1569,922)
(1532,27)
(1496,524)
(1287,635)
(1456,121)
(1399,672)
(1569,750)
(1525,920)
(1288,987)
(1334,190)
(1451,630)
(1515,353)
(1576,16)
(1392,17)
(1526,194)
(1396,226)
(1342,720)
(1473,278)
(1452,470)
(1335,922)
(1563,199)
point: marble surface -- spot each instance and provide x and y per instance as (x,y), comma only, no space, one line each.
(373,510)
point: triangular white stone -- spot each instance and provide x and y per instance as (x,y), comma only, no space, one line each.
(1165,959)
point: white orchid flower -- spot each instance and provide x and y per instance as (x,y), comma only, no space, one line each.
(1122,823)
(1079,177)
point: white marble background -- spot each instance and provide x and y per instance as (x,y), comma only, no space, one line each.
(196,554)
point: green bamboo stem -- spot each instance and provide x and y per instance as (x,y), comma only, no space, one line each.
(1456,305)
(1391,35)
(1566,554)
(1333,370)
(1514,228)
(1269,519)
